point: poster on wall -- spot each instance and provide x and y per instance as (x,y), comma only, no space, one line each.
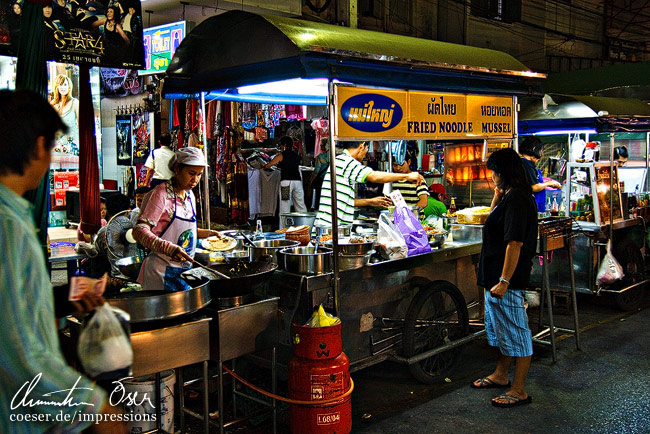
(123,139)
(93,32)
(120,82)
(63,97)
(160,44)
(141,136)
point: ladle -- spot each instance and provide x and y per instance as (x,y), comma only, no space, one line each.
(248,240)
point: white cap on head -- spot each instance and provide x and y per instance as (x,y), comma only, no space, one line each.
(189,156)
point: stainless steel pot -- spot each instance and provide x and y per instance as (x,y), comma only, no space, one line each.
(343,230)
(303,260)
(145,306)
(297,219)
(270,248)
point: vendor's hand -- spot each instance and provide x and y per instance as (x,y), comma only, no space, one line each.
(553,184)
(381,201)
(87,303)
(499,290)
(213,233)
(498,192)
(415,178)
(180,255)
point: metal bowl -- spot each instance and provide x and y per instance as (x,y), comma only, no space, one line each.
(129,266)
(352,249)
(303,260)
(269,247)
(349,262)
(436,240)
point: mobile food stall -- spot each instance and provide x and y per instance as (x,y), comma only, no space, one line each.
(377,87)
(587,130)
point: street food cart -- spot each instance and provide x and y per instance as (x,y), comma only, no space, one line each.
(605,123)
(377,87)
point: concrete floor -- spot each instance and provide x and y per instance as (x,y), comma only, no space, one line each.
(603,388)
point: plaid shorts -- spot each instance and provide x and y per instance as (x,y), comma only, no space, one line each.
(506,324)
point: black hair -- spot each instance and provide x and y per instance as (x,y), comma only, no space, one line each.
(165,139)
(286,141)
(507,164)
(531,146)
(348,144)
(116,203)
(142,190)
(620,152)
(24,117)
(102,199)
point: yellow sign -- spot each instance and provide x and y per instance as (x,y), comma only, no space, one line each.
(392,114)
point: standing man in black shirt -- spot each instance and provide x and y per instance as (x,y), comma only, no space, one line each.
(509,243)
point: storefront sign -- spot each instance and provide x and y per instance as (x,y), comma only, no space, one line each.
(81,32)
(387,114)
(160,44)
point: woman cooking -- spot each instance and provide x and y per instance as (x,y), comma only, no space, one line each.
(167,223)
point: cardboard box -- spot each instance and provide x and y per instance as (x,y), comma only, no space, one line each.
(65,180)
(59,198)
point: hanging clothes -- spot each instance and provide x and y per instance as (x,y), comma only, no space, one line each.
(321,127)
(294,112)
(238,181)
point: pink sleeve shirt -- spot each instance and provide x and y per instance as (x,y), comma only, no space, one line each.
(157,210)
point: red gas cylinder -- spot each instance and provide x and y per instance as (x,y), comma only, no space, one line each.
(318,370)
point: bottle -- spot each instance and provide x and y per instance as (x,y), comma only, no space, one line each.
(259,231)
(452,206)
(548,206)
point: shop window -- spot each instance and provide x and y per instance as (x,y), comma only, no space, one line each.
(508,11)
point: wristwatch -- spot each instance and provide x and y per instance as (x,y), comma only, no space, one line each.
(503,279)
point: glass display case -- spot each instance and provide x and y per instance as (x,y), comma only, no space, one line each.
(588,187)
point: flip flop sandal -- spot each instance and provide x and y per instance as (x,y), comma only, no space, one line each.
(487,383)
(511,400)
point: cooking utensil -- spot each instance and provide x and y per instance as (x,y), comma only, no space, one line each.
(145,306)
(269,247)
(210,269)
(244,277)
(437,239)
(236,234)
(303,260)
(248,240)
(236,256)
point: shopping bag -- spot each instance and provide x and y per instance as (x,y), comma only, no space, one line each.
(104,346)
(390,239)
(610,270)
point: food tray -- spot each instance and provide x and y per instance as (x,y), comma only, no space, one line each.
(473,216)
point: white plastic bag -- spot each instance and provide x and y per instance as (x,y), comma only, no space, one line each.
(391,239)
(610,270)
(103,345)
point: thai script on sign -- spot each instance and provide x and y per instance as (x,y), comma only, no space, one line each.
(496,110)
(371,112)
(440,108)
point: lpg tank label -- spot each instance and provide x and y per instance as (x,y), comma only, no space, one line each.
(326,386)
(328,418)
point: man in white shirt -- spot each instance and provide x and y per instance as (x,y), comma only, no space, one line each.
(157,163)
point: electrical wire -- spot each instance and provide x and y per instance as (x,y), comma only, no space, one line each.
(289,400)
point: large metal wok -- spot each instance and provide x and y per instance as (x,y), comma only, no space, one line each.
(146,306)
(245,277)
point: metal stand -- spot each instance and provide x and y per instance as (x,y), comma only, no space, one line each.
(235,332)
(567,243)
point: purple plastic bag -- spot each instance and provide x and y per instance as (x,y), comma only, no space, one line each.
(414,234)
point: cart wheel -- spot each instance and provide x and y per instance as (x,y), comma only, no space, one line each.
(436,316)
(630,258)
